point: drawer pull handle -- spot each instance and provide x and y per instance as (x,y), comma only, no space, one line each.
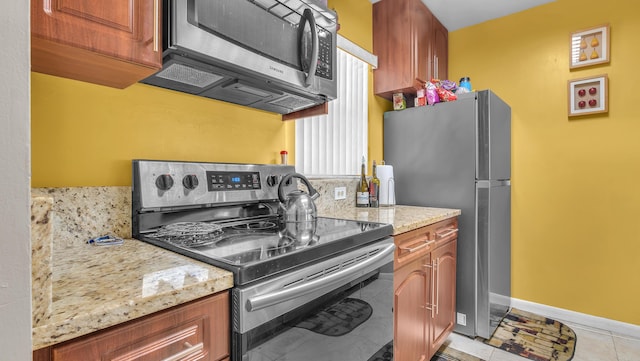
(435,287)
(414,249)
(186,352)
(436,296)
(447,233)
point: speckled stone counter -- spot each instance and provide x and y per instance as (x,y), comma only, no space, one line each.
(95,287)
(81,288)
(403,218)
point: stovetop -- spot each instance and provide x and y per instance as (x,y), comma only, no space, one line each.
(227,215)
(266,247)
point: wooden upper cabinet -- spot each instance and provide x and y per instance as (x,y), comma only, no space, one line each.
(114,43)
(440,51)
(411,45)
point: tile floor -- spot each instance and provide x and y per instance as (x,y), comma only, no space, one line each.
(592,345)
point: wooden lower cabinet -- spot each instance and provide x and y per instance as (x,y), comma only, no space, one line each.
(198,330)
(424,289)
(444,292)
(411,284)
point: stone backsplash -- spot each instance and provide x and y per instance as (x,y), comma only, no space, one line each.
(326,187)
(41,248)
(81,213)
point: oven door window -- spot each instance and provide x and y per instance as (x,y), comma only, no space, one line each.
(353,323)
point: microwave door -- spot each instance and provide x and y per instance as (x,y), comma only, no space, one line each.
(308,46)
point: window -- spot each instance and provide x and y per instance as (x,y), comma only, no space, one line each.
(334,143)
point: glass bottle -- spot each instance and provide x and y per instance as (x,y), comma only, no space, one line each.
(362,193)
(374,188)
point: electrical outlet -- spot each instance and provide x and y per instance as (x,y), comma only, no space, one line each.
(340,193)
(462,319)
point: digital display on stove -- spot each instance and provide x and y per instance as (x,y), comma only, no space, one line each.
(232,181)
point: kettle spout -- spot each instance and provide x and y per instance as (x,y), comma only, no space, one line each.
(314,193)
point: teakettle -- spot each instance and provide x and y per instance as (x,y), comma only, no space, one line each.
(298,211)
(297,205)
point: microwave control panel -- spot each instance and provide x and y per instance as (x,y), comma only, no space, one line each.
(325,54)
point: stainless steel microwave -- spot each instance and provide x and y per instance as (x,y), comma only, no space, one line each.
(274,55)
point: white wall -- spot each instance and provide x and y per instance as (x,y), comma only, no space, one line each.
(15,183)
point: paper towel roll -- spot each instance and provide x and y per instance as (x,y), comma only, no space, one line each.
(387,195)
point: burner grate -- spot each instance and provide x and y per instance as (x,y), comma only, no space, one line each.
(190,234)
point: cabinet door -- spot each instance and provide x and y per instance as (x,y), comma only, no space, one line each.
(411,283)
(194,331)
(443,264)
(421,31)
(43,354)
(411,45)
(440,49)
(79,38)
(393,44)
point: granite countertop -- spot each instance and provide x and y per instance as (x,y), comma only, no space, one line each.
(80,288)
(94,287)
(403,218)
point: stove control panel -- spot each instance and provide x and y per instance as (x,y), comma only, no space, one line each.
(168,184)
(232,181)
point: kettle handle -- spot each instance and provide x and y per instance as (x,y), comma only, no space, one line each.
(312,191)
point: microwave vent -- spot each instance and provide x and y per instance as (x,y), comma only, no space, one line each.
(292,102)
(188,75)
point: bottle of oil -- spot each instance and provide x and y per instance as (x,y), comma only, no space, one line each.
(374,188)
(362,193)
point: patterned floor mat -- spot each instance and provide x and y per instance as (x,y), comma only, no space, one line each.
(443,354)
(534,337)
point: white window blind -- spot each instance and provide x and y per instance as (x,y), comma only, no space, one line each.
(334,143)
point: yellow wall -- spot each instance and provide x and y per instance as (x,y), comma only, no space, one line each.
(576,188)
(86,135)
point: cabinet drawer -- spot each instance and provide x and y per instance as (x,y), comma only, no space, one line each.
(194,331)
(414,244)
(446,231)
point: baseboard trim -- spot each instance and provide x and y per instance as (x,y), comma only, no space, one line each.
(605,324)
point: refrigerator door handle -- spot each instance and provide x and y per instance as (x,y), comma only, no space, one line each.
(492,183)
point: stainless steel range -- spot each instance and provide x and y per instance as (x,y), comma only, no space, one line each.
(285,270)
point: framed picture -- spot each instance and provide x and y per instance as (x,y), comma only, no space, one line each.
(589,47)
(588,95)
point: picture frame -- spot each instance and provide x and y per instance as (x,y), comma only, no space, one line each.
(589,47)
(588,95)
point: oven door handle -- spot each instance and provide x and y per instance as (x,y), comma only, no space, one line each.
(270,299)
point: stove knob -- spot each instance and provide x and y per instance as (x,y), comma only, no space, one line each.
(190,181)
(273,180)
(164,182)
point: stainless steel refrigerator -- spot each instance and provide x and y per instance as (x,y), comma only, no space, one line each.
(458,155)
